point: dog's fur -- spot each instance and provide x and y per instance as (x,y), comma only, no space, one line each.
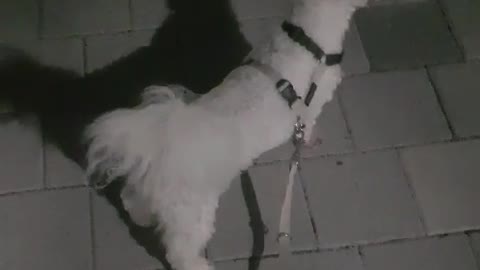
(179,158)
(197,45)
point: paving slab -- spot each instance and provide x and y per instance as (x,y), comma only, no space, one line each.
(103,50)
(21,159)
(475,242)
(71,17)
(231,226)
(64,53)
(114,247)
(148,14)
(445,180)
(233,218)
(338,260)
(451,252)
(464,16)
(391,109)
(247,9)
(458,86)
(19,20)
(360,198)
(355,60)
(47,230)
(391,41)
(61,171)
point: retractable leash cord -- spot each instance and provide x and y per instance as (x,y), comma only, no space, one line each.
(287,91)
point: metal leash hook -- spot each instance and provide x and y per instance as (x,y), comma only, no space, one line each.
(284,236)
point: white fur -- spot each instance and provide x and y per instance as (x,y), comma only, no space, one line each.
(180,158)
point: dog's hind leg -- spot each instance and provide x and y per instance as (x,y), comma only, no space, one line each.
(187,228)
(137,207)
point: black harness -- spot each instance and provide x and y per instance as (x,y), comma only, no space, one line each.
(285,87)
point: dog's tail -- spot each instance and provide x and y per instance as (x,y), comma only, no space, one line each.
(122,143)
(28,86)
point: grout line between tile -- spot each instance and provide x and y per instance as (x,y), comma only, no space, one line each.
(376,150)
(44,154)
(360,254)
(92,231)
(413,193)
(472,249)
(440,102)
(343,113)
(84,55)
(303,185)
(40,6)
(359,246)
(450,28)
(37,190)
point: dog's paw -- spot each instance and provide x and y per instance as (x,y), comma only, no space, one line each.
(100,180)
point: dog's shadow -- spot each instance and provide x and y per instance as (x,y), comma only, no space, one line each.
(198,44)
(146,237)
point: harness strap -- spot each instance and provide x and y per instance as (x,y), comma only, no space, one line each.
(284,87)
(310,94)
(298,35)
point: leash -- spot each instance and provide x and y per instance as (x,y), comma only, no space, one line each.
(284,229)
(288,93)
(256,222)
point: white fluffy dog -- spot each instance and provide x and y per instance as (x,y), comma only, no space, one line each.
(179,158)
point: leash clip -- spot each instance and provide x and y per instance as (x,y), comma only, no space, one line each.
(298,140)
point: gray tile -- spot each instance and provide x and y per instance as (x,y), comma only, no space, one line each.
(148,13)
(392,109)
(465,17)
(233,222)
(270,183)
(360,198)
(355,60)
(330,135)
(45,230)
(114,247)
(447,253)
(475,241)
(103,50)
(261,8)
(63,53)
(458,88)
(21,158)
(392,2)
(61,171)
(280,153)
(18,19)
(392,41)
(445,179)
(338,260)
(232,265)
(233,235)
(72,17)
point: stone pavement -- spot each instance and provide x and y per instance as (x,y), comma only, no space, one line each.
(393,183)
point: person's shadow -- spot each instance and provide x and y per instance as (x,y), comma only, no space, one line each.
(197,46)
